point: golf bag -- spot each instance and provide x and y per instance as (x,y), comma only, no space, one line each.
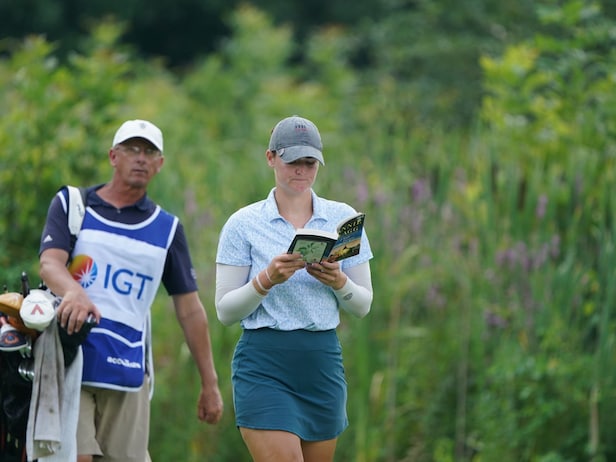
(17,344)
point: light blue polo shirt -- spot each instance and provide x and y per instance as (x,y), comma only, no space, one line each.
(255,234)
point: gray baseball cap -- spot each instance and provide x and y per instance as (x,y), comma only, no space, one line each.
(295,137)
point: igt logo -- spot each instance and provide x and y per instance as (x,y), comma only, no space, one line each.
(84,270)
(122,280)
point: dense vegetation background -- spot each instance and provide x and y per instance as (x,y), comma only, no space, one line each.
(479,138)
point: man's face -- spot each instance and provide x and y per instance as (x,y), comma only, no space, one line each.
(136,161)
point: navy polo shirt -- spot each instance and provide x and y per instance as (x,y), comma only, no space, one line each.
(179,276)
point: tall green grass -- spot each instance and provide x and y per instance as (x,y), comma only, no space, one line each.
(491,335)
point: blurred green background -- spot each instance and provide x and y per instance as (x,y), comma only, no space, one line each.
(478,137)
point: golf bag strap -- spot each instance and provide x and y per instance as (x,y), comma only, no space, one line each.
(76,211)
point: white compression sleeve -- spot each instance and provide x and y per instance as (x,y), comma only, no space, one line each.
(235,297)
(356,294)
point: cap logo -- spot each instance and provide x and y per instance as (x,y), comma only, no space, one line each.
(301,128)
(142,126)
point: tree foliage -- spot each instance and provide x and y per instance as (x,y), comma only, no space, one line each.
(492,329)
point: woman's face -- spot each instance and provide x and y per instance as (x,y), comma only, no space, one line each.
(297,176)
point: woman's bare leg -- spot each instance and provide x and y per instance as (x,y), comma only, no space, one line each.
(319,451)
(279,446)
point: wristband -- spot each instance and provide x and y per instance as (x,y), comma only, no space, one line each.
(261,285)
(268,277)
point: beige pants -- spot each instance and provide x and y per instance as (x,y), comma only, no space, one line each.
(114,426)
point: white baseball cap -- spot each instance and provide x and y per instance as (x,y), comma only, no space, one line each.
(139,129)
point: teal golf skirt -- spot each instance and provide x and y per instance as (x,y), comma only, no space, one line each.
(291,381)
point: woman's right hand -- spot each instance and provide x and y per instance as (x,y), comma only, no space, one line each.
(282,267)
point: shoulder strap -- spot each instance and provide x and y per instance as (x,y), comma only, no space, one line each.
(76,210)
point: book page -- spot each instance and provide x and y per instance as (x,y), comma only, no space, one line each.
(312,250)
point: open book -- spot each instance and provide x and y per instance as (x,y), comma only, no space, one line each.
(316,245)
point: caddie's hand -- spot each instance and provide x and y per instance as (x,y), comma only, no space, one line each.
(210,407)
(328,273)
(75,309)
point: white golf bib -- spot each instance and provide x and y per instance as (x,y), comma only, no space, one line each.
(120,266)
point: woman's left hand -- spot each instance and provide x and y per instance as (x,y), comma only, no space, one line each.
(328,273)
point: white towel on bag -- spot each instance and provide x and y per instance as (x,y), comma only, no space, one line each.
(54,406)
(69,412)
